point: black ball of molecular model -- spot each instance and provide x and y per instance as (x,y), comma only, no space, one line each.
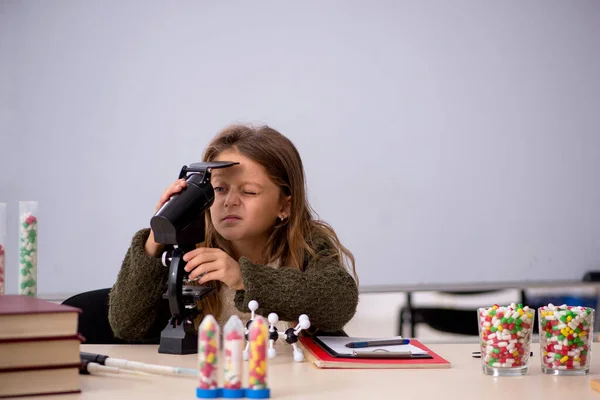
(290,336)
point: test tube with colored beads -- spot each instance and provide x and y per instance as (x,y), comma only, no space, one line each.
(28,244)
(258,337)
(208,360)
(234,342)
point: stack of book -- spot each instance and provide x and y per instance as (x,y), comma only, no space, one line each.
(39,347)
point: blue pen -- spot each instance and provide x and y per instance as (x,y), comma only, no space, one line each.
(377,343)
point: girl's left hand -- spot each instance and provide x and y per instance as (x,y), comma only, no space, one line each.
(213,264)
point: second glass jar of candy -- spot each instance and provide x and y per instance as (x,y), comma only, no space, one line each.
(566,335)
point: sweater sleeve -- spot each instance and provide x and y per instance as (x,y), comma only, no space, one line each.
(324,291)
(134,298)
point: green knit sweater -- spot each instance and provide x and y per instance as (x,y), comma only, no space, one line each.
(324,290)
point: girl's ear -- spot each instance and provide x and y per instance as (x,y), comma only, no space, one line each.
(286,206)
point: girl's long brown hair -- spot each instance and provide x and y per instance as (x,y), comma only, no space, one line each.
(289,238)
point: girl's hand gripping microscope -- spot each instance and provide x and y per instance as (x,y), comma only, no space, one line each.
(179,224)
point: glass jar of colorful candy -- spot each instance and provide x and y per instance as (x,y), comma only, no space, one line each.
(505,333)
(566,335)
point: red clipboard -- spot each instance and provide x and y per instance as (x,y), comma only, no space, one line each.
(322,359)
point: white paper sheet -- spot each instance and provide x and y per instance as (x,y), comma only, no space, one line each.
(338,344)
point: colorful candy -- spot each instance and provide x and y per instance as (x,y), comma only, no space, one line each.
(28,238)
(505,334)
(208,359)
(565,338)
(233,336)
(258,337)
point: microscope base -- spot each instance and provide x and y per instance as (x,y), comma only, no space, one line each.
(177,341)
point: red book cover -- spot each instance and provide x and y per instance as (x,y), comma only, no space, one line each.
(12,304)
(76,391)
(44,367)
(40,381)
(26,316)
(38,352)
(77,337)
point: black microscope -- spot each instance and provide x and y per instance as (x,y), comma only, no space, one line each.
(179,225)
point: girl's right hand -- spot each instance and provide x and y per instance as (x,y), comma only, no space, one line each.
(152,248)
(176,187)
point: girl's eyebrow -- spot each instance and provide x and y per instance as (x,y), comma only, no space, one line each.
(243,183)
(217,176)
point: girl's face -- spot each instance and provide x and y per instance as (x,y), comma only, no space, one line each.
(247,203)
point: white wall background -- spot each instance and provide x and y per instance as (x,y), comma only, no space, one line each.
(446,142)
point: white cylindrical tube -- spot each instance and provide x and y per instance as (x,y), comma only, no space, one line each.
(208,358)
(258,336)
(150,368)
(233,345)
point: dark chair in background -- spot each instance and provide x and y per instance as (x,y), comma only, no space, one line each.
(443,319)
(93,321)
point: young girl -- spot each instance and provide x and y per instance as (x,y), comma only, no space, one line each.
(262,243)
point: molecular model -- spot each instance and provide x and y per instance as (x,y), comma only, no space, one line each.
(290,335)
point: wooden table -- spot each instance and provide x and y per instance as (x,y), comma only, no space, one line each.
(290,380)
